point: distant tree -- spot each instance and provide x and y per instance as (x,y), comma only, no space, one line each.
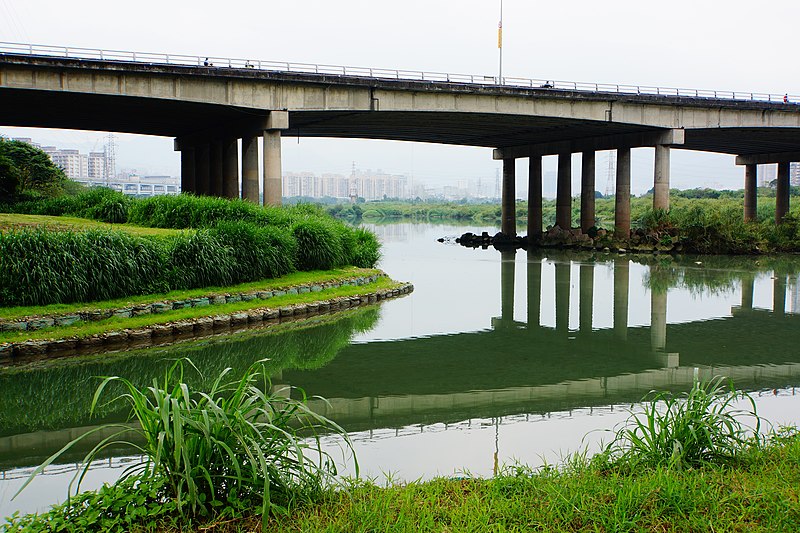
(25,169)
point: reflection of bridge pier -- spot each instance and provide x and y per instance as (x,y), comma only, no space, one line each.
(507,273)
(779,293)
(534,300)
(563,281)
(621,282)
(587,298)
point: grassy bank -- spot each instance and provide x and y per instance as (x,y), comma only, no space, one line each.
(682,463)
(85,329)
(48,256)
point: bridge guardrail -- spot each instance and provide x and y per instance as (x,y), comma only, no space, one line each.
(380,73)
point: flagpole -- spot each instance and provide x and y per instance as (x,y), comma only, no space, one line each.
(500,42)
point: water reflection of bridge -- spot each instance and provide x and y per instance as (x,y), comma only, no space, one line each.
(517,367)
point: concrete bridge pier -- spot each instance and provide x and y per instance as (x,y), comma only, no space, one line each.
(783,159)
(621,282)
(782,192)
(202,167)
(587,190)
(215,167)
(661,178)
(750,192)
(276,121)
(250,168)
(622,203)
(564,191)
(535,198)
(187,169)
(230,167)
(508,216)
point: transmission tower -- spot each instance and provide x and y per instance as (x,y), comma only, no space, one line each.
(110,151)
(612,172)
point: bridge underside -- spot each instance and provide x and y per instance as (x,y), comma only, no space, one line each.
(170,118)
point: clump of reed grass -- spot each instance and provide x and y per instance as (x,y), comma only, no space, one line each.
(218,452)
(704,425)
(39,267)
(319,244)
(260,252)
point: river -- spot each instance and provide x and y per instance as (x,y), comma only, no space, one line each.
(493,359)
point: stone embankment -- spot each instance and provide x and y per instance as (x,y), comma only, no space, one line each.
(212,324)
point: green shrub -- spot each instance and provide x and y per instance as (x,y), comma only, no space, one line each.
(366,251)
(201,260)
(701,426)
(319,244)
(219,452)
(259,252)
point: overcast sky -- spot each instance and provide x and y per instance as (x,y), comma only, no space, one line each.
(732,45)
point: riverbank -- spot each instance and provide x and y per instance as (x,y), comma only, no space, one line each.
(757,492)
(63,330)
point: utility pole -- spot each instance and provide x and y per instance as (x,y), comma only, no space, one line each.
(500,42)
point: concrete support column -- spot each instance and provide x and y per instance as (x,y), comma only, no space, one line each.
(658,320)
(782,193)
(534,198)
(587,190)
(187,170)
(661,178)
(564,192)
(779,294)
(202,169)
(622,204)
(534,301)
(621,281)
(508,216)
(272,167)
(587,298)
(563,282)
(230,168)
(507,266)
(750,192)
(250,168)
(215,164)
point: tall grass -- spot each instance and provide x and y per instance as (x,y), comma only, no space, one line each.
(39,267)
(702,426)
(217,452)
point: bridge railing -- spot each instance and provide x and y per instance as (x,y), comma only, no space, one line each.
(379,73)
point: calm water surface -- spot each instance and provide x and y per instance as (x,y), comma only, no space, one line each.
(495,358)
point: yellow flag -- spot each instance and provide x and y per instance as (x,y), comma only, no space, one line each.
(500,34)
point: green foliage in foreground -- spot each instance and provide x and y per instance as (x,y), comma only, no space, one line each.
(701,426)
(238,446)
(236,242)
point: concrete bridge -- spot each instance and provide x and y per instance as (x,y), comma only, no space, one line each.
(207,104)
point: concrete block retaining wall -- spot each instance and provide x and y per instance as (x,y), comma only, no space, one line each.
(167,333)
(40,322)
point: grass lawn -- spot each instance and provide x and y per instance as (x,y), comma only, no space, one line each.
(10,221)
